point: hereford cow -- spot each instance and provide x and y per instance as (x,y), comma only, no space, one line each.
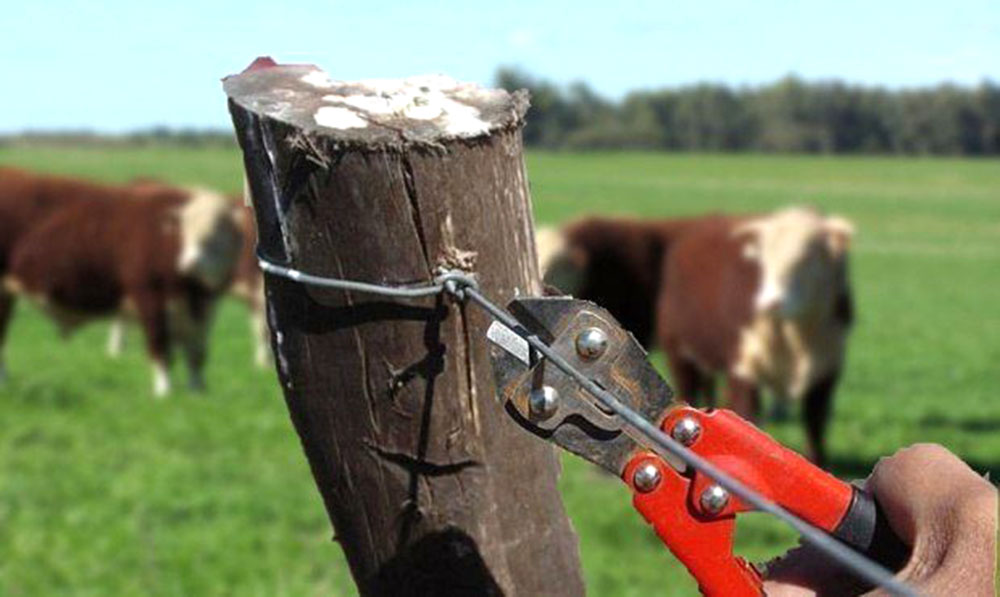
(247,283)
(26,200)
(163,255)
(763,301)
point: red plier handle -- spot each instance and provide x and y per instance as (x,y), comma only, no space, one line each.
(696,518)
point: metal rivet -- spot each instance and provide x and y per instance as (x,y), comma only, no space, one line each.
(543,402)
(686,431)
(591,343)
(714,499)
(646,477)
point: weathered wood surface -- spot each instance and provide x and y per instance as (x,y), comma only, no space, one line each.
(430,488)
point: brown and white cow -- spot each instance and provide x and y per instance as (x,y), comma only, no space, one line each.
(247,283)
(763,301)
(163,255)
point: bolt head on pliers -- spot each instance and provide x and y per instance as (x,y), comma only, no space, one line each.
(548,403)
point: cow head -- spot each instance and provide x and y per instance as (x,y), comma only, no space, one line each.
(800,253)
(210,238)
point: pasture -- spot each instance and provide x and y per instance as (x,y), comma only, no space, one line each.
(104,491)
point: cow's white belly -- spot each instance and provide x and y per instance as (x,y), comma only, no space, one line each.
(786,356)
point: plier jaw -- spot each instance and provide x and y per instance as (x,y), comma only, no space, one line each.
(549,404)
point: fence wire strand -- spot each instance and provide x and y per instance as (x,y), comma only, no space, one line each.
(463,286)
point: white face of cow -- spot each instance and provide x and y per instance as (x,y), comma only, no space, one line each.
(799,253)
(210,239)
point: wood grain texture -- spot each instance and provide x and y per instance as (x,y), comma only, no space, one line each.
(431,489)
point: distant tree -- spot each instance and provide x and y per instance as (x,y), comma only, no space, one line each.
(658,109)
(641,120)
(710,118)
(987,99)
(552,116)
(790,116)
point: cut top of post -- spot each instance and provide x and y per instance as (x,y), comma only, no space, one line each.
(374,112)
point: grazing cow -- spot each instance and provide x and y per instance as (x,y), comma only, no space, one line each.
(247,283)
(26,200)
(163,255)
(762,300)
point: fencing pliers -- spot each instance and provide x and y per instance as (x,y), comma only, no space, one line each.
(691,512)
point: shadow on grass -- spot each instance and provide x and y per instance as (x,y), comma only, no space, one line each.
(42,394)
(847,467)
(968,425)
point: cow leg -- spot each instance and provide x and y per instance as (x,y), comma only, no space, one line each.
(6,310)
(816,414)
(192,321)
(153,319)
(261,336)
(116,337)
(708,389)
(688,380)
(743,397)
(195,345)
(779,412)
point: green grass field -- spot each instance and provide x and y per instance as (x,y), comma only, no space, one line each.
(104,491)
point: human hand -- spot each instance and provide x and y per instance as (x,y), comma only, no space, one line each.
(937,505)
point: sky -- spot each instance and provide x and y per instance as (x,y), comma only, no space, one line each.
(118,65)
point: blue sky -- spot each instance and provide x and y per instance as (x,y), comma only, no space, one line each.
(118,65)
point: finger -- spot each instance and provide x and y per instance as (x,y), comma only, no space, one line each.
(946,512)
(806,572)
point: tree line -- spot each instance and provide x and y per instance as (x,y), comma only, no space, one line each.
(790,115)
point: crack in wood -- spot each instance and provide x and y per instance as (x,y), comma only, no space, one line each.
(470,374)
(420,465)
(310,150)
(410,185)
(370,395)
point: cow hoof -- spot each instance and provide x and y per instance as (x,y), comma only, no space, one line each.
(116,340)
(161,382)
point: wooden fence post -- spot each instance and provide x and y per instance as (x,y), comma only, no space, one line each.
(431,490)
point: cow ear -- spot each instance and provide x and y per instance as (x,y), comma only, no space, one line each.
(747,234)
(839,232)
(549,244)
(562,263)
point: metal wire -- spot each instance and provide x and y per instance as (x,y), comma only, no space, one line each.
(452,282)
(463,286)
